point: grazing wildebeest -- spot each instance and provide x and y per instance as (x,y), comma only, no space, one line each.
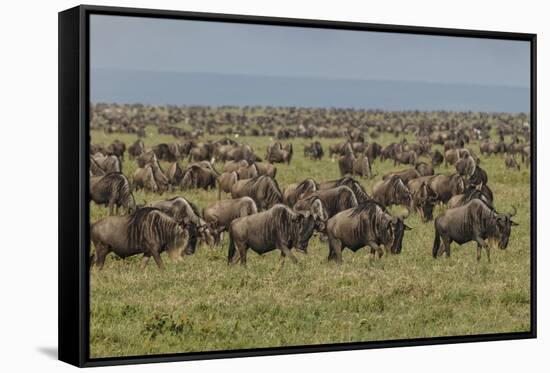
(470,193)
(423,199)
(511,163)
(345,162)
(187,215)
(405,175)
(466,166)
(334,200)
(117,148)
(226,181)
(144,179)
(263,190)
(136,149)
(478,177)
(266,169)
(447,186)
(360,193)
(437,158)
(277,153)
(113,191)
(365,225)
(391,191)
(201,152)
(297,191)
(317,209)
(424,169)
(147,158)
(362,167)
(174,173)
(314,150)
(277,228)
(109,163)
(197,176)
(220,214)
(405,157)
(147,231)
(474,221)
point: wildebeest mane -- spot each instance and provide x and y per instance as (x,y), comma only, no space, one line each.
(367,207)
(356,188)
(302,187)
(150,225)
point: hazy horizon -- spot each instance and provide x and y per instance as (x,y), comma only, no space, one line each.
(180,62)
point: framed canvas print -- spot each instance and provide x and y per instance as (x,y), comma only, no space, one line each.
(235,186)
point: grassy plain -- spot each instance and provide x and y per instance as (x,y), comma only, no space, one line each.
(201,304)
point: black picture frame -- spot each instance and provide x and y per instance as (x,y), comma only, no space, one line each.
(74,261)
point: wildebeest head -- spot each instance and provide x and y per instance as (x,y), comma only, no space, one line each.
(396,228)
(425,198)
(316,209)
(305,223)
(457,184)
(401,194)
(179,242)
(207,234)
(504,225)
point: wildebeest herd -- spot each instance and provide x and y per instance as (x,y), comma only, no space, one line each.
(435,161)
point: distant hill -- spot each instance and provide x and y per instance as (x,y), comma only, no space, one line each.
(176,88)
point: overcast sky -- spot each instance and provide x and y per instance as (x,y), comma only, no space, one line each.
(195,46)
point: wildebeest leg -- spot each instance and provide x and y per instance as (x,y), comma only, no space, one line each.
(447,243)
(488,248)
(144,261)
(100,252)
(158,259)
(286,251)
(335,250)
(374,246)
(478,252)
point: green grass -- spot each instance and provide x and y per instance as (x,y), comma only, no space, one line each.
(201,304)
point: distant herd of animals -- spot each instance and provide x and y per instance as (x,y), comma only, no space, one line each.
(263,217)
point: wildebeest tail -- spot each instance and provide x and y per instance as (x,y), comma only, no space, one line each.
(231,250)
(437,242)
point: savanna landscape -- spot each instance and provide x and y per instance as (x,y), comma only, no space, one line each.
(204,300)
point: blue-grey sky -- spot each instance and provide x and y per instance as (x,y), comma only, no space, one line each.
(129,44)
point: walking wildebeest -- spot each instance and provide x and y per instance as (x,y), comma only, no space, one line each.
(188,215)
(113,191)
(391,191)
(334,200)
(147,231)
(220,214)
(262,189)
(297,191)
(277,228)
(365,225)
(474,221)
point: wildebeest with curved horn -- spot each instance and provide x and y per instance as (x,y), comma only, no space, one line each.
(113,191)
(474,221)
(319,212)
(365,225)
(297,191)
(147,231)
(220,214)
(334,200)
(188,215)
(392,191)
(277,228)
(263,190)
